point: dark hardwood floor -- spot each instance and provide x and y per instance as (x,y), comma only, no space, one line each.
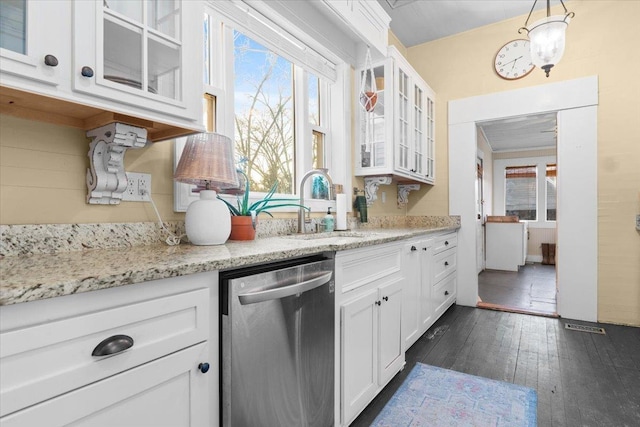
(532,288)
(582,379)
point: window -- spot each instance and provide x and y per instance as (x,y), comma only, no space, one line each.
(551,192)
(521,192)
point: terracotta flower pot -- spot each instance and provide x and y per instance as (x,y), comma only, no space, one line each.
(368,100)
(242,228)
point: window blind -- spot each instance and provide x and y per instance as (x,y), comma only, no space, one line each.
(520,192)
(551,189)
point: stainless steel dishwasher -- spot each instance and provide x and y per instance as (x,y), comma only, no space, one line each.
(277,350)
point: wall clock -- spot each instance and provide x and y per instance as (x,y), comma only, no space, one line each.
(513,60)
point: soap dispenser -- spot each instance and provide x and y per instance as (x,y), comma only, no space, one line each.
(328,221)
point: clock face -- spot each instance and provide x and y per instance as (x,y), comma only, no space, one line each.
(513,60)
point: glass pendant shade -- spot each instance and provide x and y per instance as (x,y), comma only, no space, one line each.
(547,39)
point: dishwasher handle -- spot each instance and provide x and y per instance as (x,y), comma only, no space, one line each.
(285,291)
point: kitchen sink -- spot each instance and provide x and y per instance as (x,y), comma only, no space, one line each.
(328,235)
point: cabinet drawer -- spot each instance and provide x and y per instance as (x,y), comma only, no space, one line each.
(360,267)
(47,359)
(444,293)
(124,399)
(444,264)
(442,243)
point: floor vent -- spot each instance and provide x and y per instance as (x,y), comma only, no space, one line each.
(582,328)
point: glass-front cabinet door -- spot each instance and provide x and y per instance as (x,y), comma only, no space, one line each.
(31,40)
(396,137)
(141,52)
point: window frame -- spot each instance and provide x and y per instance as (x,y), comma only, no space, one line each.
(499,167)
(334,113)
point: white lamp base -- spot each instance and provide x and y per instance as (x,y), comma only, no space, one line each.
(208,221)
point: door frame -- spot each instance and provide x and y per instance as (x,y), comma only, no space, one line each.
(576,103)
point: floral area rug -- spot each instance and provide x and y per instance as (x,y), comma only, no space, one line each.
(434,397)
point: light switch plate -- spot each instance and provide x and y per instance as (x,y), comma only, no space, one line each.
(138,187)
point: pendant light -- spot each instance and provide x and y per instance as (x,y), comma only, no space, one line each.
(547,37)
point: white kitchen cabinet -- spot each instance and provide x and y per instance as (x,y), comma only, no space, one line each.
(49,374)
(366,18)
(397,136)
(134,62)
(32,43)
(371,342)
(429,265)
(142,53)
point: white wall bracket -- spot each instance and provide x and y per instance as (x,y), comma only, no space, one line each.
(371,185)
(403,193)
(106,178)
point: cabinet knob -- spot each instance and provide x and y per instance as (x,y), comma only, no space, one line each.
(378,303)
(446,243)
(385,298)
(446,292)
(204,367)
(50,60)
(87,71)
(446,263)
(112,345)
(424,249)
(413,248)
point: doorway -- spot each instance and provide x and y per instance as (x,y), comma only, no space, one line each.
(576,103)
(522,219)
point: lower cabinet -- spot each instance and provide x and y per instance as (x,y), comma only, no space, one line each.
(429,288)
(372,347)
(168,392)
(143,355)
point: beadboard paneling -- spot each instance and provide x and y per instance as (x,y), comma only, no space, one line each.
(538,236)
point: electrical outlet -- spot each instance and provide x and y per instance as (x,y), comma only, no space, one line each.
(138,187)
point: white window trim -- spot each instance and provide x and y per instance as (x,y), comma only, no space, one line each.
(499,167)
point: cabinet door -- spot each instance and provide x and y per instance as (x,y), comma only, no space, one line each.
(170,391)
(391,342)
(430,132)
(142,53)
(402,120)
(418,129)
(426,297)
(31,31)
(359,353)
(411,301)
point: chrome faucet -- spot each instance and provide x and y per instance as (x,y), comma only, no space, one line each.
(321,171)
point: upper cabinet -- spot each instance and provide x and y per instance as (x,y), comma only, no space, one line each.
(138,52)
(365,18)
(29,45)
(89,63)
(396,136)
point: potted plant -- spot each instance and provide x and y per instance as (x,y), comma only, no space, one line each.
(244,216)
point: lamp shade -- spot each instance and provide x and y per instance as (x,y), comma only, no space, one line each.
(547,39)
(207,160)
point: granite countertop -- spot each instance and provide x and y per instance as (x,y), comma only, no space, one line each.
(34,277)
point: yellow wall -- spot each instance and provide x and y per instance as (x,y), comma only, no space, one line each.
(602,40)
(42,177)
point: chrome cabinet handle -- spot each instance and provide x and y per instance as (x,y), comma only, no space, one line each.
(50,60)
(113,345)
(204,367)
(86,71)
(320,279)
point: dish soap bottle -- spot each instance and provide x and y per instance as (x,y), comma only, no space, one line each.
(328,221)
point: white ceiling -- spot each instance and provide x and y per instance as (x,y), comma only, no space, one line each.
(419,21)
(521,133)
